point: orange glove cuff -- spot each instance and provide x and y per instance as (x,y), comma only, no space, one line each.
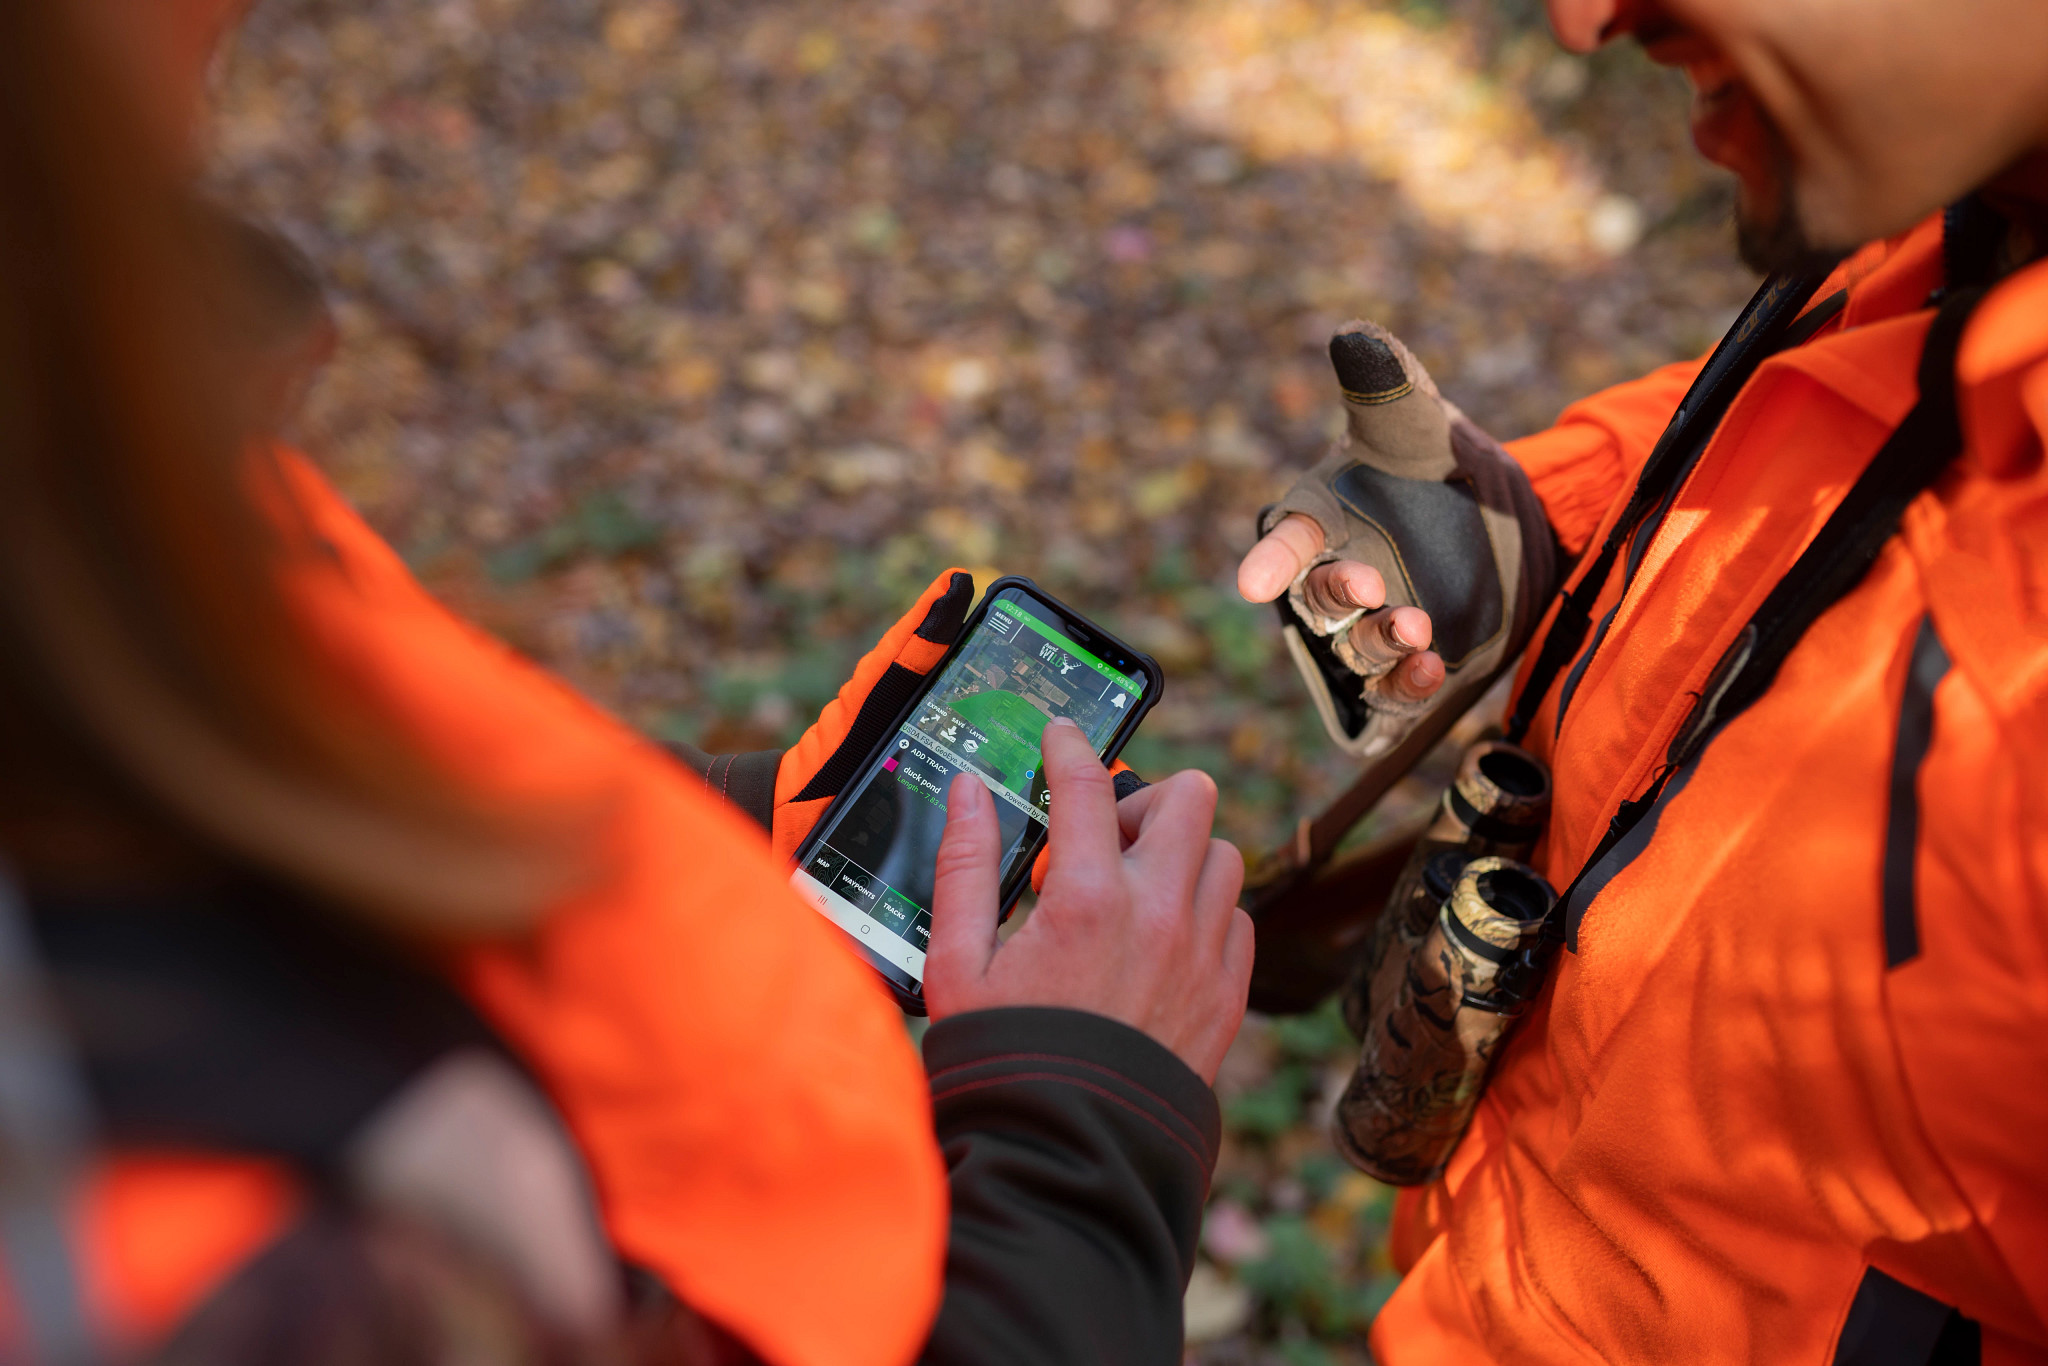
(818,765)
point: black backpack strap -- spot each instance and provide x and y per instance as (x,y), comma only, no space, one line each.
(1971,234)
(46,1125)
(1909,462)
(1760,330)
(243,1018)
(1892,1324)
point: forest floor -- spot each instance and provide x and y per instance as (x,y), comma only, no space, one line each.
(685,341)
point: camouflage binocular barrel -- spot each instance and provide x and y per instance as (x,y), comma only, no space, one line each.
(1459,952)
(1497,805)
(1429,1046)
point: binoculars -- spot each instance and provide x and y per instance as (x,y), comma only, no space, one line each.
(1456,957)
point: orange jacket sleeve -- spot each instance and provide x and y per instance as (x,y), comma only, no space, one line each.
(1581,465)
(753,1114)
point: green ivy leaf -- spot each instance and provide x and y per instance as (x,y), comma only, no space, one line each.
(1270,1110)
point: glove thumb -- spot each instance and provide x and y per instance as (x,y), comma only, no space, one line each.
(1391,405)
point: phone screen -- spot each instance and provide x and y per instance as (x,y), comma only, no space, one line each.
(871,864)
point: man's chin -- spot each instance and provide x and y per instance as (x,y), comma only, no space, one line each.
(1774,240)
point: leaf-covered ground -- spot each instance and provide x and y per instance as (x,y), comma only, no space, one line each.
(683,343)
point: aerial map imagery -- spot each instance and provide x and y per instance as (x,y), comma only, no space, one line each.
(984,715)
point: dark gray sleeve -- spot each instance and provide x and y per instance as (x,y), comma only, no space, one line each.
(1079,1153)
(745,780)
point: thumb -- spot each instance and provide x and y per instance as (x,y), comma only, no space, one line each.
(1270,566)
(966,890)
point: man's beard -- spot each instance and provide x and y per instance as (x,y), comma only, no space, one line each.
(1778,243)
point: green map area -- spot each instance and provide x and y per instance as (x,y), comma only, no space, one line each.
(990,707)
(1011,727)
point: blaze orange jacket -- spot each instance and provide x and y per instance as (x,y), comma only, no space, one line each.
(1767,1112)
(755,1120)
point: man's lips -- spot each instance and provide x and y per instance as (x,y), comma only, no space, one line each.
(1724,115)
(1719,118)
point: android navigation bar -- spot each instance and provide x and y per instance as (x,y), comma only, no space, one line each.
(862,904)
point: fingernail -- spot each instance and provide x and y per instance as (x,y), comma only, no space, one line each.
(1062,721)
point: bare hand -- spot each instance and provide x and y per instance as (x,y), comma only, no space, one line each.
(1138,919)
(1397,638)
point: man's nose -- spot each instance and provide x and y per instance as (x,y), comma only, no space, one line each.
(1582,25)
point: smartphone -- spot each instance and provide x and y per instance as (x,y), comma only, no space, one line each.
(1022,659)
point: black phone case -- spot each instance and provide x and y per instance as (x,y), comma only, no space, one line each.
(1013,886)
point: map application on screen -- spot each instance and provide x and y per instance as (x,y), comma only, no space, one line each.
(871,874)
